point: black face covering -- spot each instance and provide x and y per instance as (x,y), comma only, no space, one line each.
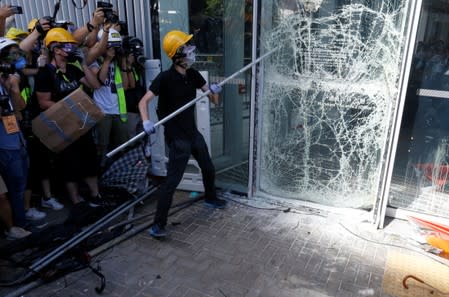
(72,57)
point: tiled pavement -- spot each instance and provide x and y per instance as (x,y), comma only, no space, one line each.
(262,251)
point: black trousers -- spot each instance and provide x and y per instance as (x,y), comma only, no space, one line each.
(179,154)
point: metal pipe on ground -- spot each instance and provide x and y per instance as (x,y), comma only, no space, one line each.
(25,288)
(43,262)
(136,218)
(95,252)
(181,109)
(137,229)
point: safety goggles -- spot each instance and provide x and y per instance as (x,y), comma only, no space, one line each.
(68,47)
(13,55)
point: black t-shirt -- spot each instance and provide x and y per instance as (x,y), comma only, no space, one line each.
(176,90)
(49,79)
(134,95)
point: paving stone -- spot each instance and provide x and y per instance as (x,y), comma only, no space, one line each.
(237,252)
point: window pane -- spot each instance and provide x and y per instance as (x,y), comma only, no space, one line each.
(421,171)
(328,97)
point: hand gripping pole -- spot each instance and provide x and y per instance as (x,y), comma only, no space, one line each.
(181,109)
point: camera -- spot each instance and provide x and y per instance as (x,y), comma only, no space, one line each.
(6,69)
(133,45)
(51,21)
(109,14)
(17,9)
(62,24)
(123,28)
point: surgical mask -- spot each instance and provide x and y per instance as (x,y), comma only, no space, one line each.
(20,63)
(189,55)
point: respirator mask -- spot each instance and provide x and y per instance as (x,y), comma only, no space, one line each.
(189,55)
(17,60)
(20,63)
(71,51)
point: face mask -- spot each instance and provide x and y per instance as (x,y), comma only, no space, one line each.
(190,57)
(71,58)
(20,63)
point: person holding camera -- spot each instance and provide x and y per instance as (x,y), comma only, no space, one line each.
(13,153)
(7,10)
(54,82)
(112,130)
(133,51)
(87,34)
(176,87)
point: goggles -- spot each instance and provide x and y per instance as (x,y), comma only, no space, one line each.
(68,47)
(15,55)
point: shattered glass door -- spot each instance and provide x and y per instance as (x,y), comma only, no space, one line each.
(327,97)
(421,172)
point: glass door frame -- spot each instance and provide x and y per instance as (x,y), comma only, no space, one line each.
(380,205)
(380,208)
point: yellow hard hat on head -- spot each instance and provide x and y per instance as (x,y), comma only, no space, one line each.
(16,34)
(58,35)
(173,40)
(32,24)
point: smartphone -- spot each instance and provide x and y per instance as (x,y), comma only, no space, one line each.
(17,9)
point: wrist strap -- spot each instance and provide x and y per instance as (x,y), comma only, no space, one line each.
(90,27)
(39,28)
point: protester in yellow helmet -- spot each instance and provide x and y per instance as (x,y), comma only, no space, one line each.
(176,87)
(16,34)
(53,82)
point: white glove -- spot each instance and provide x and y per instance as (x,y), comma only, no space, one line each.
(215,88)
(148,126)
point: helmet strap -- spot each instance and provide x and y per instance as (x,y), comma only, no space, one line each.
(179,62)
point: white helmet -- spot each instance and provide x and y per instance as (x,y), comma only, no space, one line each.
(114,37)
(5,42)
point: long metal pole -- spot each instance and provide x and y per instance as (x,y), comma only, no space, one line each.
(181,109)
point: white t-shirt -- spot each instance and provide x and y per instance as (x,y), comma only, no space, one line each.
(104,97)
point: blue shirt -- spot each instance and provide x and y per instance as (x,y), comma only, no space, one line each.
(12,141)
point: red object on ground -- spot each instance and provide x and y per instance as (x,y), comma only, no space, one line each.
(440,229)
(439,174)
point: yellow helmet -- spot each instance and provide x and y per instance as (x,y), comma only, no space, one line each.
(16,34)
(32,24)
(173,40)
(58,35)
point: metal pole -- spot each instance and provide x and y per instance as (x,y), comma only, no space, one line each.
(41,263)
(25,288)
(181,109)
(137,229)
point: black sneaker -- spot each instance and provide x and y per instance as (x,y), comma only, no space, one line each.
(157,231)
(215,203)
(97,201)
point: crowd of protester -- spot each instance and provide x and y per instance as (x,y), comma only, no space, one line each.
(40,65)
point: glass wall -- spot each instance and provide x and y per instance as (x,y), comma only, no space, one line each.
(421,171)
(222,35)
(328,95)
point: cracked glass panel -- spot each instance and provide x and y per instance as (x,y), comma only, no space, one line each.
(329,92)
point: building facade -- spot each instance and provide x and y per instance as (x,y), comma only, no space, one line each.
(348,109)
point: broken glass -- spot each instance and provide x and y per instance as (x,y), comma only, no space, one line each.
(328,95)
